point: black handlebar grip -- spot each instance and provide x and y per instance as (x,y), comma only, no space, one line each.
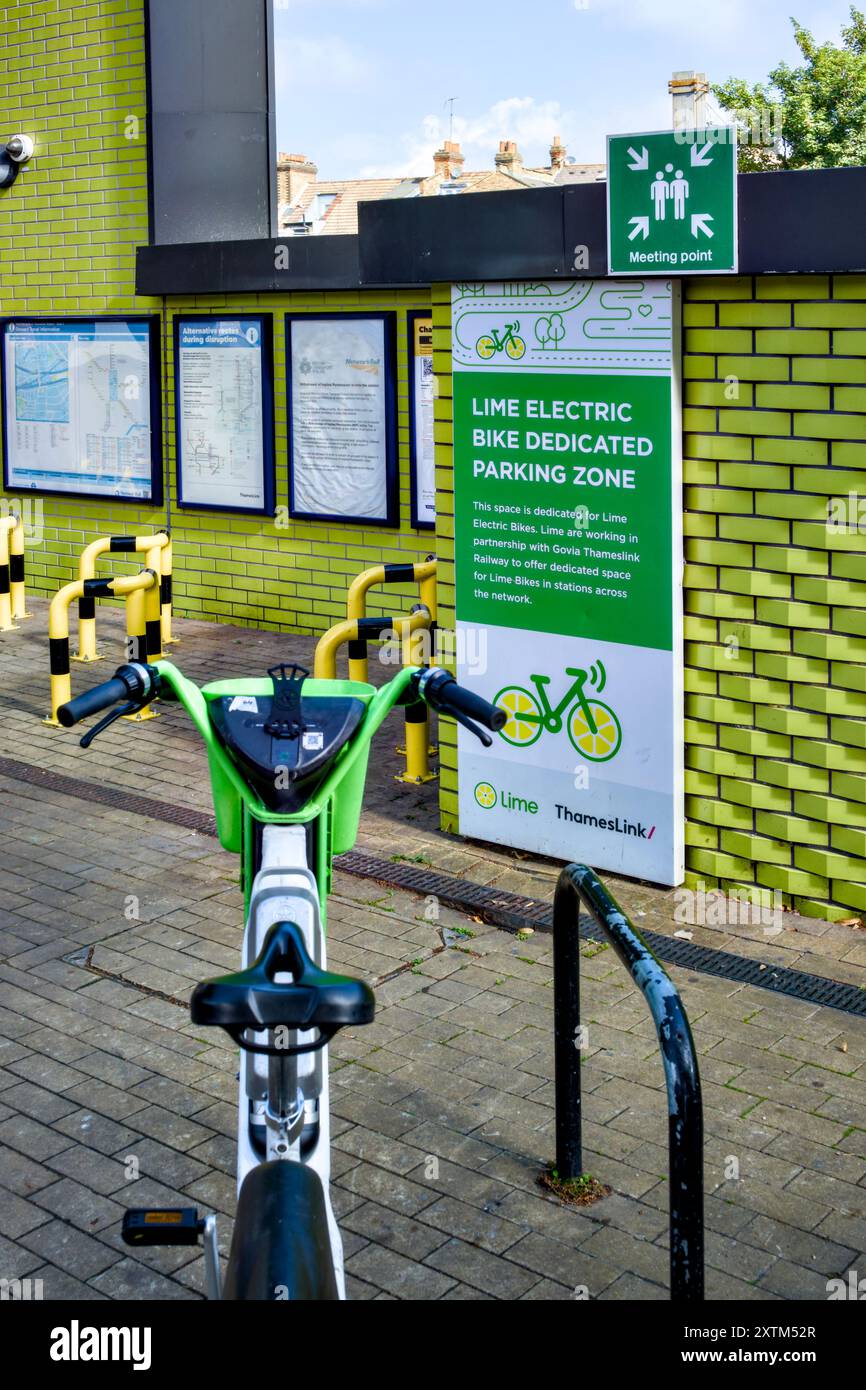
(448,696)
(92,702)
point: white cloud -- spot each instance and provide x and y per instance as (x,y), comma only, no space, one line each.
(530,122)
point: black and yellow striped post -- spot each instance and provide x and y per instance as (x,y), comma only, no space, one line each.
(133,588)
(159,542)
(366,630)
(422,573)
(8,526)
(16,572)
(165,570)
(415,633)
(58,643)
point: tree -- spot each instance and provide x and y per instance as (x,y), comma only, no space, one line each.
(807,117)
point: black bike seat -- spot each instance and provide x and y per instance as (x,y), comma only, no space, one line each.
(253,999)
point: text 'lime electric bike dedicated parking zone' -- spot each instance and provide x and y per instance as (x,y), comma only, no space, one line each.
(568,559)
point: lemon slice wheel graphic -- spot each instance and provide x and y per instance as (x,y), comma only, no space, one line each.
(485,795)
(518,704)
(605,741)
(485,347)
(515,348)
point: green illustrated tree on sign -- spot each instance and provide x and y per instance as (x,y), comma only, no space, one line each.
(808,117)
(550,331)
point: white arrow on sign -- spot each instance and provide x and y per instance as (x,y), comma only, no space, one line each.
(641,161)
(700,223)
(702,157)
(640,224)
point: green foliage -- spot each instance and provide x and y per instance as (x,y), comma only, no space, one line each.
(808,117)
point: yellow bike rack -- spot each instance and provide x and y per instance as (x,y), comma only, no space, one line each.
(12,600)
(142,594)
(354,631)
(422,573)
(157,550)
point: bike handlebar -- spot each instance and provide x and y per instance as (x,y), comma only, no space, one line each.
(133,682)
(441,690)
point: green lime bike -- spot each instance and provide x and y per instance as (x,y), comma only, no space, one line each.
(288,761)
(593,729)
(508,342)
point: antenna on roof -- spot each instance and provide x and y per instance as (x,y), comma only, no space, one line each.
(449,101)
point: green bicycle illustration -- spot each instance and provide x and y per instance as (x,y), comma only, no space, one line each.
(593,728)
(491,343)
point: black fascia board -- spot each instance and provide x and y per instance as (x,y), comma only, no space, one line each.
(255,266)
(790,221)
(806,222)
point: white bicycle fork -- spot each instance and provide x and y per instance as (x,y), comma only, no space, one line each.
(283,1105)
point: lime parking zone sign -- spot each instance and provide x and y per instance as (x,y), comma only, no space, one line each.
(672,202)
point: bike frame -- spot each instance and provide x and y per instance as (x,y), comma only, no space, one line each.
(283,1101)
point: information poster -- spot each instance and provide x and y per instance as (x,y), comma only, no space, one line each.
(224,414)
(421,398)
(81,407)
(342,422)
(568,569)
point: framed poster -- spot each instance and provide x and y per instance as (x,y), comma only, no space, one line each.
(568,568)
(81,407)
(341,371)
(422,461)
(224,412)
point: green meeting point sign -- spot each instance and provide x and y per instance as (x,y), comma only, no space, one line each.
(672,202)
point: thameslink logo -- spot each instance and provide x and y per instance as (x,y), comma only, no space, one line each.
(77,1343)
(611,823)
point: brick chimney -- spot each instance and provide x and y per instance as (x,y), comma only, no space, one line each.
(508,157)
(448,162)
(294,173)
(689,91)
(558,153)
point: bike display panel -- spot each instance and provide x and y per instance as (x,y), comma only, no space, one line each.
(224,418)
(81,408)
(568,554)
(341,373)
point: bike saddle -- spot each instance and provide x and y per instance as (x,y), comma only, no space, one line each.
(254,999)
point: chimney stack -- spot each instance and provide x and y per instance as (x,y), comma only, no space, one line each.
(294,173)
(508,157)
(448,162)
(689,91)
(558,153)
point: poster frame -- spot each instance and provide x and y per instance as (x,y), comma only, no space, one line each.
(154,497)
(266,322)
(388,319)
(414,492)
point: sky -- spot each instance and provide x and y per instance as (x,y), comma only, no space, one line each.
(363,85)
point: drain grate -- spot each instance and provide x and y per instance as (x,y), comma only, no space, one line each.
(511,911)
(115,797)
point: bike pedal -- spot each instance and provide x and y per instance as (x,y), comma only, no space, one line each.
(161,1226)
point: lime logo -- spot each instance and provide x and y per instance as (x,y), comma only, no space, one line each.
(485,795)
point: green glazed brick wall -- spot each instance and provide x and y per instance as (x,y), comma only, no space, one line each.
(775,601)
(775,628)
(73,76)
